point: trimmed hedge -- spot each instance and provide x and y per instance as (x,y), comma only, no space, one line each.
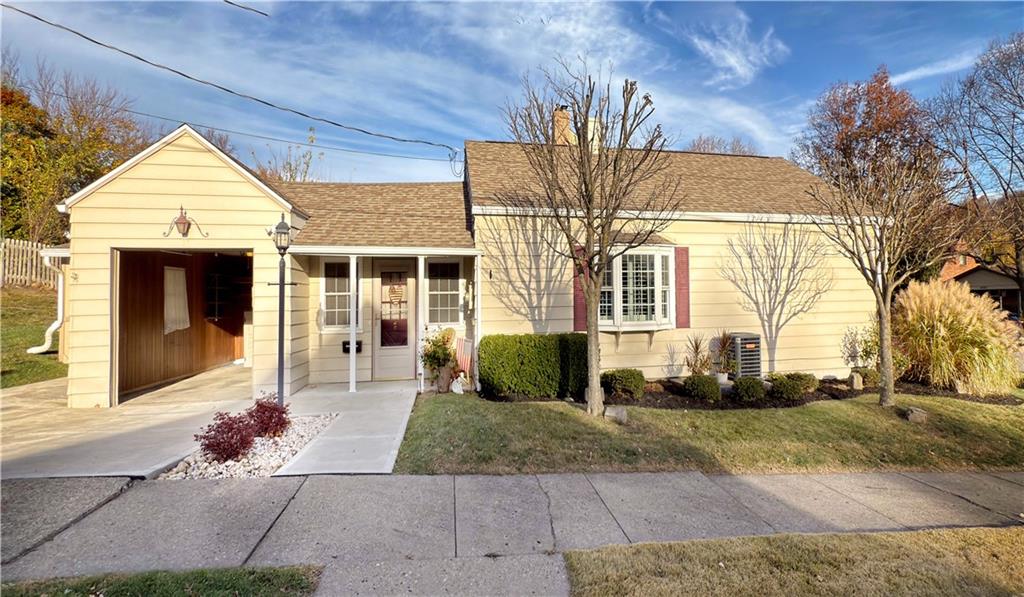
(702,387)
(624,381)
(748,390)
(533,365)
(785,389)
(807,381)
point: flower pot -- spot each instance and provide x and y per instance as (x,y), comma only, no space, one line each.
(444,380)
(722,377)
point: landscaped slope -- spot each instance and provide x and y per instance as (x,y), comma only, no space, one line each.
(464,434)
(24,317)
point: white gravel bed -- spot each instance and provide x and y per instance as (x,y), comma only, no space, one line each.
(264,458)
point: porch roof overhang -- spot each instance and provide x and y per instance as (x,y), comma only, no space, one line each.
(366,251)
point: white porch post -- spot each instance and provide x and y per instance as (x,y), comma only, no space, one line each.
(420,320)
(353,322)
(478,319)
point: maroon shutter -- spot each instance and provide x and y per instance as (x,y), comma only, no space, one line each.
(579,303)
(682,287)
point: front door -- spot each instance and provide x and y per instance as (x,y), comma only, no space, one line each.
(394,319)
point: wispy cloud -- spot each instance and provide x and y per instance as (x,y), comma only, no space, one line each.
(940,67)
(736,55)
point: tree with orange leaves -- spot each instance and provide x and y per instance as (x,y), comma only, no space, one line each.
(883,193)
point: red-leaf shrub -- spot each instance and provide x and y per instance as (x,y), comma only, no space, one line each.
(268,418)
(229,437)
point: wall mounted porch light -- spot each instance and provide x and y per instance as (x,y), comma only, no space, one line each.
(183,223)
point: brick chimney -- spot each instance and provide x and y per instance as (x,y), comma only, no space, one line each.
(563,126)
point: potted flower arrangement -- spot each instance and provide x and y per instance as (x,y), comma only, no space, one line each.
(439,358)
(724,362)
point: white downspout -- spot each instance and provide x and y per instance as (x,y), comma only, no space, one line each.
(45,346)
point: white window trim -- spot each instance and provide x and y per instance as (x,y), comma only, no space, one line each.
(461,323)
(338,329)
(617,324)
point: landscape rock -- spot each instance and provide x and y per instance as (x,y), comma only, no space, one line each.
(266,456)
(856,381)
(617,414)
(915,415)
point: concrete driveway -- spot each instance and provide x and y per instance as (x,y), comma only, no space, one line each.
(146,435)
(41,437)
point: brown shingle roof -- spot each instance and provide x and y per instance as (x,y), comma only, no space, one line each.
(430,214)
(708,182)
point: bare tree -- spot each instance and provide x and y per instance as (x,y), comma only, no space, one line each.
(780,273)
(221,141)
(715,144)
(883,193)
(295,164)
(597,170)
(979,120)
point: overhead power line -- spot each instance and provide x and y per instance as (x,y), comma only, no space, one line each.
(253,135)
(452,152)
(244,7)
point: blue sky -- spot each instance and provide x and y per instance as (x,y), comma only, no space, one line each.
(443,71)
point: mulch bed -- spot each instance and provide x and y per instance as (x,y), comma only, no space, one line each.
(667,394)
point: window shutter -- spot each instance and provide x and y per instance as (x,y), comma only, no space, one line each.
(682,287)
(579,303)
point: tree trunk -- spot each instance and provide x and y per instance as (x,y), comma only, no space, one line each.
(887,387)
(595,393)
(772,342)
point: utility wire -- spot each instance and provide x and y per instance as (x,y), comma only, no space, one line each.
(243,7)
(452,152)
(253,135)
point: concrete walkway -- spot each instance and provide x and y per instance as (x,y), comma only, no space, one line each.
(367,433)
(42,437)
(463,534)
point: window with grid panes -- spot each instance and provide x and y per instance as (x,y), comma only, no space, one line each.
(444,301)
(337,289)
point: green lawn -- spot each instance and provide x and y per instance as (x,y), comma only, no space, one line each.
(465,434)
(296,580)
(936,563)
(25,313)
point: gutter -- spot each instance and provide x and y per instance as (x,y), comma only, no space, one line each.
(48,341)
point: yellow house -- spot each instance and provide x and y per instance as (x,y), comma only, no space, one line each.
(172,272)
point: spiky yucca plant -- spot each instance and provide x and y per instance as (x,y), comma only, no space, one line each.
(955,339)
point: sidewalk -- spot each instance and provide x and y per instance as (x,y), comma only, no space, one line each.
(464,534)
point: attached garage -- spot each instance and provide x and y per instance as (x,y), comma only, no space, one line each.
(180,313)
(172,273)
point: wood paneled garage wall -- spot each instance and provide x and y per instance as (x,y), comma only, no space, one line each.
(219,290)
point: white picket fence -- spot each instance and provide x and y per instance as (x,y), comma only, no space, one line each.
(23,265)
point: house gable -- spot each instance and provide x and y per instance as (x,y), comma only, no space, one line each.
(174,165)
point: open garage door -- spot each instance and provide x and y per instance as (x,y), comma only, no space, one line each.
(179,313)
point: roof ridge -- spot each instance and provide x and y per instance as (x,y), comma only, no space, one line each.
(686,151)
(382,183)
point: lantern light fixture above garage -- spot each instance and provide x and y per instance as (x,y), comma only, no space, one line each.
(183,223)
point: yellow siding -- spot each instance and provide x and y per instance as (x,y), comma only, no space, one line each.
(134,210)
(528,288)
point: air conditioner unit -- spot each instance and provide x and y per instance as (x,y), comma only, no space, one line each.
(747,353)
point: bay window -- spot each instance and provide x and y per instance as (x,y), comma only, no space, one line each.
(637,290)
